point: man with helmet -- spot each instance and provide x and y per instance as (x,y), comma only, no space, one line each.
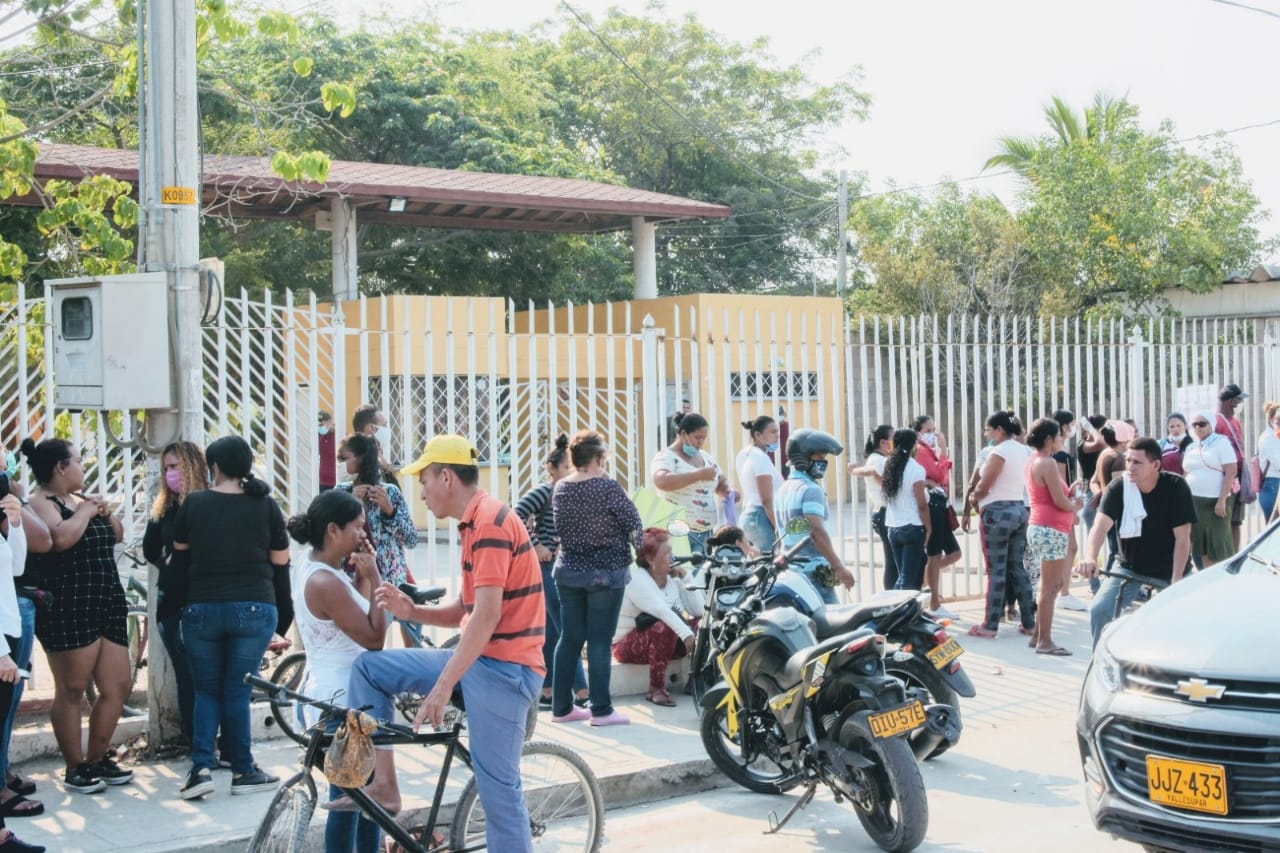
(801,496)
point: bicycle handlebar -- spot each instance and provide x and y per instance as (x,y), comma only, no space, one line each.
(1126,575)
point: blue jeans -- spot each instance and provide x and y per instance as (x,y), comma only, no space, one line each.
(225,640)
(1091,513)
(698,542)
(1103,609)
(552,596)
(497,694)
(1267,497)
(759,530)
(26,643)
(828,593)
(171,636)
(587,616)
(908,552)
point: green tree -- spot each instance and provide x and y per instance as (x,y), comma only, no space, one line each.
(952,252)
(1100,121)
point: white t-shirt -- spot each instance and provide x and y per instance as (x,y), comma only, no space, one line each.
(1269,454)
(1203,464)
(1011,484)
(875,496)
(752,463)
(903,510)
(698,499)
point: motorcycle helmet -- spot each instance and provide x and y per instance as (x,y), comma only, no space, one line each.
(804,442)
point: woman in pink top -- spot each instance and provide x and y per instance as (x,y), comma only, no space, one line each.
(1049,540)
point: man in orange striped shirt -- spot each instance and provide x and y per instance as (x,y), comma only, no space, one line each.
(498,660)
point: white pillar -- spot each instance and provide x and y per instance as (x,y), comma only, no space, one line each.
(652,387)
(345,259)
(644,258)
(1138,391)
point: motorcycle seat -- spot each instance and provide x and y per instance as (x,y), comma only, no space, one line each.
(792,670)
(836,619)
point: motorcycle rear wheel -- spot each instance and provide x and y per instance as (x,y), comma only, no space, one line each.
(895,812)
(760,774)
(920,673)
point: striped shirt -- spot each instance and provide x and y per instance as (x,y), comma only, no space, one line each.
(799,496)
(537,505)
(496,551)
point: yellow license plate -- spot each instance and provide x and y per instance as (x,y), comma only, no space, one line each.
(898,721)
(944,654)
(1187,784)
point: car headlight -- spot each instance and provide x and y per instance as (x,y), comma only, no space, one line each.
(1109,672)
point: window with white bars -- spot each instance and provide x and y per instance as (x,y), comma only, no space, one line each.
(437,406)
(795,385)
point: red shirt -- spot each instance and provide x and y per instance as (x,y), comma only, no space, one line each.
(936,469)
(1229,425)
(496,551)
(328,461)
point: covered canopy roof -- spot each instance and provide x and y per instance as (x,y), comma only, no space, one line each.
(437,198)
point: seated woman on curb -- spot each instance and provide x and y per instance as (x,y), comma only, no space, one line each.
(338,623)
(659,615)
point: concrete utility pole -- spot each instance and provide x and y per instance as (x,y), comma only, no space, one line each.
(169,191)
(842,225)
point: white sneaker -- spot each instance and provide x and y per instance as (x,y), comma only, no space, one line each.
(1070,602)
(944,612)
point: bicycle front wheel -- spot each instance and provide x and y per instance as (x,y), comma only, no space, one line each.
(566,808)
(288,714)
(284,827)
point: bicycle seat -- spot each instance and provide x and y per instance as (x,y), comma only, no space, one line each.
(423,594)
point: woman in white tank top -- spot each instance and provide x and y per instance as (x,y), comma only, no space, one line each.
(338,624)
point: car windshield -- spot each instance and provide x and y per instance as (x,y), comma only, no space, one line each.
(1267,550)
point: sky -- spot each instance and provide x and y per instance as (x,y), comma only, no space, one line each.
(948,79)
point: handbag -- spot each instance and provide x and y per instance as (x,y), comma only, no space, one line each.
(877,522)
(645,621)
(348,763)
(952,521)
(1245,490)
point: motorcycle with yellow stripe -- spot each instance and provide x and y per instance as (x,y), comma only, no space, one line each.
(792,711)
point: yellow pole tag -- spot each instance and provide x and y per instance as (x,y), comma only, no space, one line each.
(177,195)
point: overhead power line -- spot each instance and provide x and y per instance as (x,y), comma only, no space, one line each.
(702,131)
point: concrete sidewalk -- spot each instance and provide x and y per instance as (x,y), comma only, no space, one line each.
(658,757)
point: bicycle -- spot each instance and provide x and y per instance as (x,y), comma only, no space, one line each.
(566,807)
(1127,578)
(292,669)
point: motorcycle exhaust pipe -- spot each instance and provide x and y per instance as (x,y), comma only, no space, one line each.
(942,726)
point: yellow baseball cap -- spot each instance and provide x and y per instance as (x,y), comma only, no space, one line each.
(446,450)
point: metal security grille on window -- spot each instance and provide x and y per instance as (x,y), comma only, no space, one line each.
(468,409)
(794,385)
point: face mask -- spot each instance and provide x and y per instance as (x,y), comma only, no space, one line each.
(324,430)
(930,439)
(173,479)
(383,435)
(772,447)
(11,464)
(690,450)
(818,469)
(1174,439)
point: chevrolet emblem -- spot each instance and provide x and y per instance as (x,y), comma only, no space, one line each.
(1199,690)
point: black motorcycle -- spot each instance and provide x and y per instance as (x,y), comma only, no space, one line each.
(789,710)
(922,653)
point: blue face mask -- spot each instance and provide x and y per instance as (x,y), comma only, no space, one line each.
(690,450)
(11,464)
(818,469)
(772,447)
(324,430)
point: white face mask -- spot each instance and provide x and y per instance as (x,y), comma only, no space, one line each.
(930,438)
(383,435)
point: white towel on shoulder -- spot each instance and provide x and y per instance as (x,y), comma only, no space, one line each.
(1134,511)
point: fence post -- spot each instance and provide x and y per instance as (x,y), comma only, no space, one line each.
(1138,379)
(652,386)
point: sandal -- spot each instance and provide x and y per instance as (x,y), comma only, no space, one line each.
(346,804)
(1056,651)
(982,631)
(21,786)
(661,697)
(11,807)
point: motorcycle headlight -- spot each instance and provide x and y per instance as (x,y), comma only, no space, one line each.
(1109,672)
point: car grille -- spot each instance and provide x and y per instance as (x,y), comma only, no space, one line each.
(1239,695)
(1178,839)
(1252,763)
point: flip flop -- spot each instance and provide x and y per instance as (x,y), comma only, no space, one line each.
(661,697)
(9,808)
(982,631)
(346,804)
(21,786)
(1026,632)
(1056,651)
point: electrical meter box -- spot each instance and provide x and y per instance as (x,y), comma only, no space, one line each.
(111,342)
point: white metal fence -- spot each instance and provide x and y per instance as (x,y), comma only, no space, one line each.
(513,379)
